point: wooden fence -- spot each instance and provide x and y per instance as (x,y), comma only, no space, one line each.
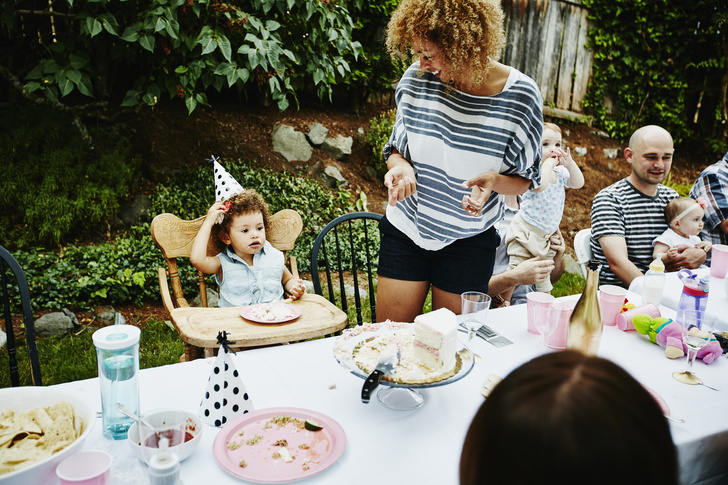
(545,39)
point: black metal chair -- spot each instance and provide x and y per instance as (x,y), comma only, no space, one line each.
(348,247)
(8,262)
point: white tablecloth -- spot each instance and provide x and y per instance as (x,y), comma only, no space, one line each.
(421,446)
(717,298)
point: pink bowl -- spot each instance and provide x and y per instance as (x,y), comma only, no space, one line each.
(85,468)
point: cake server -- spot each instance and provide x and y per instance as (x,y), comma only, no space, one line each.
(388,360)
(493,337)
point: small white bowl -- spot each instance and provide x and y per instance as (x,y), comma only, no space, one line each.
(85,468)
(157,418)
(23,399)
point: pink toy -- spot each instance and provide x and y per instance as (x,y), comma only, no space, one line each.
(668,335)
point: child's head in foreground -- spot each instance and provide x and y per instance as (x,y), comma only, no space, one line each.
(685,216)
(551,138)
(246,222)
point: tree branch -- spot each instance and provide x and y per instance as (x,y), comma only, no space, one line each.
(49,13)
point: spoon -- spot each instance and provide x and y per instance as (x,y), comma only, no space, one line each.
(124,410)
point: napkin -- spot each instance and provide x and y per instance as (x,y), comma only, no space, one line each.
(226,396)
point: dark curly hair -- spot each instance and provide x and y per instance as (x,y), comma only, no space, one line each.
(246,202)
(468,32)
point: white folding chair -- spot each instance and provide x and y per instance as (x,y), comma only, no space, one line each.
(582,248)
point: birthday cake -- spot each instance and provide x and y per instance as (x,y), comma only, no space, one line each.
(426,355)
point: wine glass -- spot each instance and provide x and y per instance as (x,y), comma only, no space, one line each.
(697,330)
(474,309)
(547,319)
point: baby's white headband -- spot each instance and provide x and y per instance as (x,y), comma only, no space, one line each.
(700,203)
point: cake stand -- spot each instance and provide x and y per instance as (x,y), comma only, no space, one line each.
(394,395)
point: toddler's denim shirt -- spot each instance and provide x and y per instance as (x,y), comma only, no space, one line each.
(243,285)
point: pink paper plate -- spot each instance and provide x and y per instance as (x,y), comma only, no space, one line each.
(249,313)
(661,402)
(251,439)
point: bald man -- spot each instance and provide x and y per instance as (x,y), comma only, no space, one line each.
(628,215)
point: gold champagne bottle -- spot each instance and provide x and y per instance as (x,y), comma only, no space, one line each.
(585,326)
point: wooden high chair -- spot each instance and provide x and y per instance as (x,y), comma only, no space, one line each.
(198,326)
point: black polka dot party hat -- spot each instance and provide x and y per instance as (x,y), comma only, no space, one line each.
(225,185)
(226,396)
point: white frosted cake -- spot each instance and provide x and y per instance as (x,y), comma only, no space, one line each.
(363,345)
(436,337)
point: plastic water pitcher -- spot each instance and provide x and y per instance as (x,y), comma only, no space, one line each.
(694,293)
(117,354)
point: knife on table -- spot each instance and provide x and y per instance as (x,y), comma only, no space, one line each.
(387,362)
(492,337)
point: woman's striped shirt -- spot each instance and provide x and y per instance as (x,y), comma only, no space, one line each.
(449,137)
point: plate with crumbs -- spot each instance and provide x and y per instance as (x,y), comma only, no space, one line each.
(279,445)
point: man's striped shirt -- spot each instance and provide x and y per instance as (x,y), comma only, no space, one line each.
(622,210)
(450,137)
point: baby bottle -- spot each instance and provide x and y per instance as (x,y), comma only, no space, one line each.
(117,354)
(654,282)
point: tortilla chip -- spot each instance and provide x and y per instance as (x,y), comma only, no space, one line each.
(30,437)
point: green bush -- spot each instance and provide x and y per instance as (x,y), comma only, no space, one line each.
(54,186)
(379,130)
(670,73)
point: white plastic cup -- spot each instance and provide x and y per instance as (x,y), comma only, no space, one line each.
(611,301)
(91,467)
(624,319)
(719,261)
(537,306)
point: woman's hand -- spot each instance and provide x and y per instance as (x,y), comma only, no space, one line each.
(400,180)
(482,185)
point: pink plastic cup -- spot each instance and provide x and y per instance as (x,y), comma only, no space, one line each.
(719,261)
(624,319)
(85,468)
(537,306)
(562,312)
(611,300)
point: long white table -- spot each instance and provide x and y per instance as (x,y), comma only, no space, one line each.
(717,298)
(421,446)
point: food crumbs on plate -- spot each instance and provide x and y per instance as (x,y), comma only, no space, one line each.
(303,446)
(281,443)
(241,432)
(276,455)
(233,445)
(285,455)
(332,386)
(254,441)
(242,464)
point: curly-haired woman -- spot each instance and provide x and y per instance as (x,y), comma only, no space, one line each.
(468,132)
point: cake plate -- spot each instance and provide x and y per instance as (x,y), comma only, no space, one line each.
(393,395)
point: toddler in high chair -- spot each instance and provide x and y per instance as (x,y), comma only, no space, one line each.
(685,218)
(249,270)
(532,229)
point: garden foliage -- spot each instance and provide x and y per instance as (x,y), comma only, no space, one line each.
(669,68)
(54,187)
(125,270)
(192,48)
